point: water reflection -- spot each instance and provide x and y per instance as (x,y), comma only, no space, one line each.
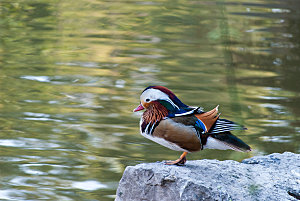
(71,73)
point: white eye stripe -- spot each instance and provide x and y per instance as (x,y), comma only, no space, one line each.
(173,104)
(155,94)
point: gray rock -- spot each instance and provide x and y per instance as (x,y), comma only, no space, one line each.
(273,177)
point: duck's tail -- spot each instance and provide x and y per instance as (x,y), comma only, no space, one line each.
(226,140)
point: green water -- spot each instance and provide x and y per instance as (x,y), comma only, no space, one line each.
(71,73)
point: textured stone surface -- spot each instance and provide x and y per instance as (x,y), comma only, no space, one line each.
(272,177)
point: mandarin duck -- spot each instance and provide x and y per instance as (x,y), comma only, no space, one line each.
(177,126)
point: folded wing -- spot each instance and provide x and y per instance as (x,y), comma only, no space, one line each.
(213,124)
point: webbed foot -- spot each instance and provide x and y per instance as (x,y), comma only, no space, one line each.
(180,161)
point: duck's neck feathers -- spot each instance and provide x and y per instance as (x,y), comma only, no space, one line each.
(152,116)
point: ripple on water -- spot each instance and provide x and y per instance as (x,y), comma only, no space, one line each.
(77,80)
(276,123)
(87,64)
(276,108)
(36,78)
(39,194)
(89,185)
(273,97)
(282,139)
(29,143)
(37,181)
(39,117)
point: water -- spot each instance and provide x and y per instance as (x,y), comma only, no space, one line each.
(71,73)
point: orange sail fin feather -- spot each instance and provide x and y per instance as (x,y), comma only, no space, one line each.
(209,118)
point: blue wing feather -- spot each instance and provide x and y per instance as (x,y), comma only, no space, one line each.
(200,124)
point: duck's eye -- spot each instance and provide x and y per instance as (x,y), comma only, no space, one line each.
(147,100)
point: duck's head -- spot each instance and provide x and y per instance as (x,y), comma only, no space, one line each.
(159,95)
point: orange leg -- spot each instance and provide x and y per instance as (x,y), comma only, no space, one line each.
(180,161)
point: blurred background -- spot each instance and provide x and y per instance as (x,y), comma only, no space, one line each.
(71,72)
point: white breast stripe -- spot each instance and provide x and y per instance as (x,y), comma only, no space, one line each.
(151,130)
(146,129)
